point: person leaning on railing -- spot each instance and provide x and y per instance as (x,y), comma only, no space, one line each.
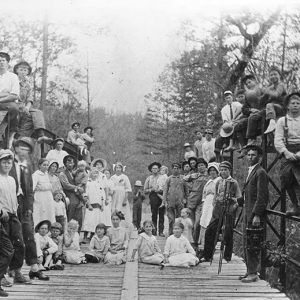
(287,143)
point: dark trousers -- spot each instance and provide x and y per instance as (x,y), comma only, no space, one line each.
(13,229)
(220,141)
(137,213)
(155,203)
(255,124)
(30,122)
(75,210)
(28,232)
(173,213)
(212,232)
(240,130)
(6,251)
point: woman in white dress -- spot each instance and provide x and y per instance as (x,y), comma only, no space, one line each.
(107,207)
(120,196)
(43,204)
(209,191)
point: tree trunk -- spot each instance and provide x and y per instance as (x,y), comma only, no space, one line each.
(88,89)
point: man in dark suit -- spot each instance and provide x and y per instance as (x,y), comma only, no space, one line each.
(22,173)
(71,190)
(256,195)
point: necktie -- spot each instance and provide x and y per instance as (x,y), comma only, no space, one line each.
(231,112)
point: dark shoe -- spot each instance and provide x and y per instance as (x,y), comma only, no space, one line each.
(203,260)
(243,276)
(21,279)
(250,278)
(57,267)
(39,275)
(3,293)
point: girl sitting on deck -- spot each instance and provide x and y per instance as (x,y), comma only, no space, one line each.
(178,250)
(99,245)
(116,254)
(147,246)
(71,249)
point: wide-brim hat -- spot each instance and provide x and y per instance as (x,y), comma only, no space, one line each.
(286,100)
(57,140)
(38,226)
(69,156)
(22,63)
(248,76)
(25,140)
(6,153)
(57,225)
(154,164)
(213,165)
(75,123)
(186,145)
(201,161)
(226,130)
(254,147)
(51,162)
(192,158)
(138,183)
(102,160)
(88,127)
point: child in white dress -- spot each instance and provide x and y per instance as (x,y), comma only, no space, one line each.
(96,195)
(60,208)
(45,246)
(110,186)
(118,237)
(178,250)
(99,245)
(187,223)
(71,249)
(147,246)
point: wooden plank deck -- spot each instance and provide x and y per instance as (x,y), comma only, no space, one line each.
(146,282)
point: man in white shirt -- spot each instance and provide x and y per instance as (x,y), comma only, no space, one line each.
(57,154)
(208,147)
(230,112)
(188,151)
(9,93)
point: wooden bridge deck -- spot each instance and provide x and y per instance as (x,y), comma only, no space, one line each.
(146,282)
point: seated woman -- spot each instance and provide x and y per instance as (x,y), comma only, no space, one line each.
(99,245)
(147,246)
(31,120)
(71,249)
(45,247)
(287,143)
(116,254)
(178,250)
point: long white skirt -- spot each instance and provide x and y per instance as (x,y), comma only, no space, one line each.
(107,214)
(182,260)
(207,210)
(91,219)
(155,259)
(43,207)
(115,259)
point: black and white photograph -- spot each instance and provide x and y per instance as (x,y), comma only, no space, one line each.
(149,150)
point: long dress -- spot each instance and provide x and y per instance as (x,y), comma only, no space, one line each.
(107,208)
(55,183)
(43,204)
(122,186)
(148,249)
(180,252)
(118,242)
(96,197)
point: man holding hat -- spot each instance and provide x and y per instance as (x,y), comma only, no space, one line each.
(225,203)
(230,112)
(287,143)
(208,147)
(256,194)
(88,136)
(71,190)
(57,154)
(151,188)
(174,195)
(9,93)
(188,151)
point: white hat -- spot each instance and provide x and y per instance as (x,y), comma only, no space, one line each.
(213,165)
(187,145)
(227,93)
(226,130)
(6,153)
(138,183)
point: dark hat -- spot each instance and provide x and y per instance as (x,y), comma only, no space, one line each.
(192,158)
(184,163)
(69,156)
(202,161)
(25,140)
(57,225)
(154,164)
(5,55)
(288,98)
(56,140)
(209,131)
(225,164)
(22,63)
(240,92)
(248,76)
(38,226)
(88,127)
(254,147)
(75,123)
(176,165)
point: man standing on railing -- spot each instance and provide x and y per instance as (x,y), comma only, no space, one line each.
(256,195)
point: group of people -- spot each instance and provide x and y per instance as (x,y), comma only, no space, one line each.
(42,213)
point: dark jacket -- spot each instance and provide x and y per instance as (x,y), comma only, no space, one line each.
(26,185)
(256,193)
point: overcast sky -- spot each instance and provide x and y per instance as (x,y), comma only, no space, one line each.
(128,42)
